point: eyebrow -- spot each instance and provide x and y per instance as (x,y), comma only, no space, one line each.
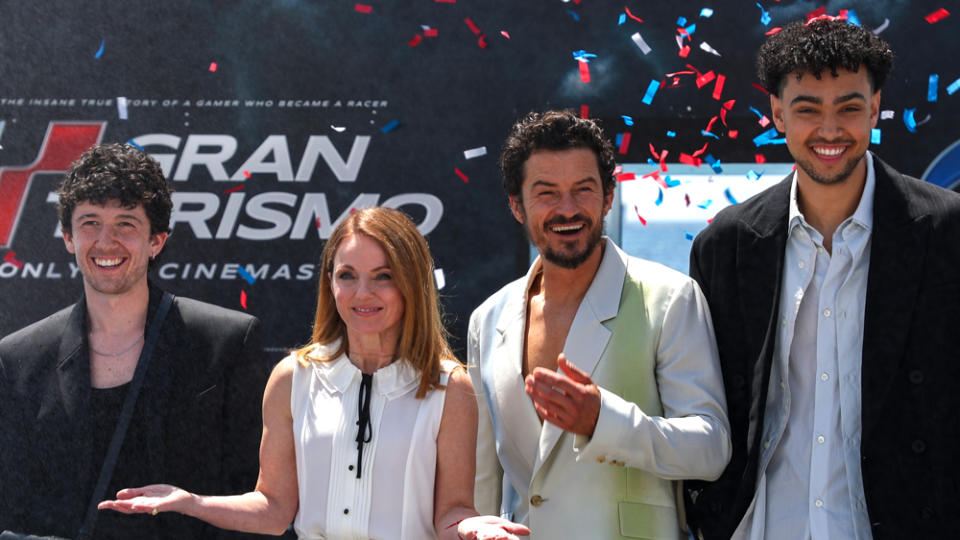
(547,183)
(132,217)
(817,101)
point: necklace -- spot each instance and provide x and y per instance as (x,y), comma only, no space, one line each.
(121,353)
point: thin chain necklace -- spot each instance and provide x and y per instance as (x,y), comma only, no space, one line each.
(121,353)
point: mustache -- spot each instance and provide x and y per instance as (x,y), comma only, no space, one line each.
(560,220)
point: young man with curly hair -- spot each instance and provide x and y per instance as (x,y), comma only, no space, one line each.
(835,297)
(64,379)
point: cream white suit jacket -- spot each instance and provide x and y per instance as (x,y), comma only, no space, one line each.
(644,335)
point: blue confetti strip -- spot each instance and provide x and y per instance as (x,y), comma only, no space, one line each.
(754,175)
(764,15)
(875,136)
(135,145)
(681,21)
(583,56)
(649,160)
(659,200)
(651,91)
(99,53)
(690,29)
(852,18)
(390,126)
(688,235)
(729,196)
(932,87)
(618,139)
(768,137)
(246,275)
(909,121)
(706,204)
(756,112)
(713,162)
(670,182)
(671,134)
(622,19)
(574,15)
(706,133)
(627,120)
(706,13)
(954,86)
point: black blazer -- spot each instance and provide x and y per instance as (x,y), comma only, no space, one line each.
(911,353)
(199,411)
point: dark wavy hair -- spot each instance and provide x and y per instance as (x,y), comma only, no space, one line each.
(821,45)
(553,130)
(116,172)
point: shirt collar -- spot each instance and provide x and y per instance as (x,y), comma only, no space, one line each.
(339,375)
(862,216)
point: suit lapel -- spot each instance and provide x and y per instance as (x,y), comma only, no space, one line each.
(897,253)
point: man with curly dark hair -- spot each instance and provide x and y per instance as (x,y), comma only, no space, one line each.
(597,376)
(65,379)
(835,297)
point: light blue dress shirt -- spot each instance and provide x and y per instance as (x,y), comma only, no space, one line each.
(810,484)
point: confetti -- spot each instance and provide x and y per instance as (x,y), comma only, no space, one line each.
(688,235)
(584,71)
(684,51)
(439,278)
(954,86)
(246,174)
(706,13)
(362,8)
(624,143)
(584,111)
(932,87)
(473,28)
(505,34)
(816,14)
(937,16)
(753,175)
(99,53)
(851,16)
(246,275)
(627,120)
(713,162)
(415,41)
(764,15)
(733,133)
(687,159)
(768,137)
(338,129)
(131,142)
(11,257)
(243,299)
(718,88)
(706,133)
(234,188)
(706,47)
(475,152)
(621,19)
(686,198)
(670,182)
(640,43)
(909,121)
(659,200)
(637,211)
(729,196)
(482,41)
(704,79)
(887,115)
(671,134)
(122,107)
(760,158)
(705,204)
(681,21)
(213,67)
(882,27)
(875,136)
(583,56)
(623,177)
(462,176)
(392,125)
(430,32)
(651,91)
(760,88)
(631,15)
(772,31)
(3,124)
(574,15)
(690,30)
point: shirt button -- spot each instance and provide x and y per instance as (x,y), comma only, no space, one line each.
(820,249)
(818,503)
(346,510)
(824,376)
(802,264)
(783,384)
(350,468)
(536,500)
(820,439)
(826,312)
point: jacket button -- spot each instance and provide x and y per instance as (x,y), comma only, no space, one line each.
(601,459)
(918,446)
(916,376)
(536,500)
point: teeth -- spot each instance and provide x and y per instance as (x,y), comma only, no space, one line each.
(564,228)
(828,151)
(366,310)
(108,263)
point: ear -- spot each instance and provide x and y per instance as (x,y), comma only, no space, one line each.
(68,242)
(516,206)
(776,111)
(874,109)
(157,241)
(607,201)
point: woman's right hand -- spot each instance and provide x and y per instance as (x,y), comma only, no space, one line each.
(151,499)
(490,528)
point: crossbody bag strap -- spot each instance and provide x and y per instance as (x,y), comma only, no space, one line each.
(113,451)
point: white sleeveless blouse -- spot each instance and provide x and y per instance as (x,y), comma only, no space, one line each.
(393,498)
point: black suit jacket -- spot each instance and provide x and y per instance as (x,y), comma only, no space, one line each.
(199,411)
(911,353)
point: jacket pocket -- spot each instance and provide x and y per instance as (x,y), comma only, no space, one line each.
(639,520)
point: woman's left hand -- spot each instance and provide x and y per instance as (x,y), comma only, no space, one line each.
(490,528)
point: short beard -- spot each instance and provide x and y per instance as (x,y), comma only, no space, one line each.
(573,261)
(825,180)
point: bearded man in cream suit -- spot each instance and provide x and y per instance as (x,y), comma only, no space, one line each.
(597,374)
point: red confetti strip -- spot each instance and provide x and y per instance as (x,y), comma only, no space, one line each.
(631,15)
(585,111)
(822,10)
(624,143)
(462,176)
(663,160)
(505,34)
(430,32)
(362,8)
(684,52)
(482,41)
(234,188)
(759,158)
(415,41)
(653,151)
(318,223)
(937,15)
(690,160)
(732,133)
(686,197)
(642,221)
(11,257)
(772,31)
(760,88)
(705,79)
(584,72)
(243,299)
(617,170)
(213,66)
(727,105)
(710,124)
(682,73)
(353,211)
(702,150)
(247,174)
(655,175)
(473,27)
(718,88)
(623,177)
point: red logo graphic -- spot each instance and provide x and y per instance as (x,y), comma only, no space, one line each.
(63,144)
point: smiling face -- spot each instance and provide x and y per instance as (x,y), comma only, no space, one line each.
(113,246)
(827,123)
(364,290)
(563,204)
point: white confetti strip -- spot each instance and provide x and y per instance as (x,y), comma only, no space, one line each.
(122,107)
(3,123)
(641,43)
(438,276)
(706,47)
(886,115)
(475,152)
(882,27)
(338,129)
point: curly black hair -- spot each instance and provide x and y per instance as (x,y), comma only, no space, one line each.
(820,45)
(116,172)
(553,130)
